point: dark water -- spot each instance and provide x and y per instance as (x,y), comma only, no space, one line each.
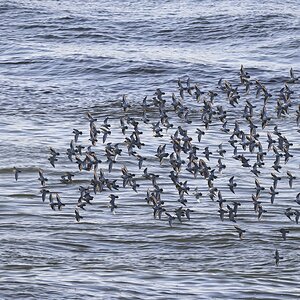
(61,59)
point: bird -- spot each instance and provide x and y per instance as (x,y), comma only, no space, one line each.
(76,134)
(44,193)
(140,159)
(170,219)
(231,213)
(283,232)
(125,104)
(200,133)
(291,178)
(273,193)
(255,170)
(52,160)
(158,210)
(240,232)
(297,216)
(16,172)
(293,78)
(297,200)
(275,179)
(258,187)
(271,141)
(161,153)
(206,153)
(222,212)
(67,177)
(197,194)
(51,201)
(225,129)
(53,152)
(277,257)
(260,212)
(78,217)
(59,203)
(236,204)
(179,212)
(232,185)
(41,178)
(221,151)
(91,118)
(289,213)
(220,200)
(188,213)
(182,200)
(112,203)
(81,204)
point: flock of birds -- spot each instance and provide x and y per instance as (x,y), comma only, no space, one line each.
(248,147)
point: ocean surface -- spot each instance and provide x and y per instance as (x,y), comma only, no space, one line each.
(63,59)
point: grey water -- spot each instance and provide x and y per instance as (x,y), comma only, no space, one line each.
(62,59)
